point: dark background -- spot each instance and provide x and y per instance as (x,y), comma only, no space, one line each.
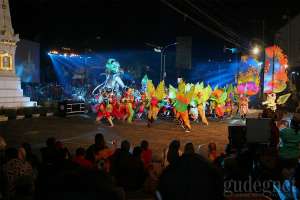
(115,25)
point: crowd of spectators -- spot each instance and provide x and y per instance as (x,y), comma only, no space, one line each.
(102,172)
(121,171)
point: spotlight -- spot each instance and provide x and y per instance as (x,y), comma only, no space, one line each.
(52,52)
(256,50)
(286,66)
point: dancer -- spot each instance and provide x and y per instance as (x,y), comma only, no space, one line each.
(194,110)
(183,99)
(271,102)
(219,97)
(104,111)
(116,113)
(126,107)
(228,107)
(243,106)
(201,96)
(141,104)
(154,96)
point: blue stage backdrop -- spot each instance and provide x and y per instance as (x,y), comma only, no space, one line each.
(214,72)
(137,63)
(27,61)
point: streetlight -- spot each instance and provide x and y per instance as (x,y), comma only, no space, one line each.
(162,51)
(163,55)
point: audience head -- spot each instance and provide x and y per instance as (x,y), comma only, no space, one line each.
(173,151)
(189,148)
(144,145)
(212,147)
(99,140)
(125,146)
(2,143)
(80,151)
(51,142)
(137,151)
(22,154)
(174,145)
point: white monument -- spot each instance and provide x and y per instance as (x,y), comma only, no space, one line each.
(11,94)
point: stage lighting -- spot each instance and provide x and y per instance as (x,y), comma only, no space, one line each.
(286,66)
(255,50)
(52,52)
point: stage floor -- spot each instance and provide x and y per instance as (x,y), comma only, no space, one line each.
(79,131)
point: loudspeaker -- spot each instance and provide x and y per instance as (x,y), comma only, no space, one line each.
(258,130)
(69,107)
(237,136)
(184,53)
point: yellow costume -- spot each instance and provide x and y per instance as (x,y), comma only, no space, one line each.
(153,97)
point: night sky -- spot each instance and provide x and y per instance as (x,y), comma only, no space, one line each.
(114,24)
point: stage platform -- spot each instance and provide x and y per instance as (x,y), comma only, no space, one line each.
(79,131)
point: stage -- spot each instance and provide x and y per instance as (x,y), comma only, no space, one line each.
(79,131)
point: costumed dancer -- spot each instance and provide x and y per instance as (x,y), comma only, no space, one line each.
(243,106)
(201,96)
(194,110)
(141,104)
(219,96)
(115,108)
(271,102)
(228,107)
(183,99)
(129,101)
(104,111)
(154,96)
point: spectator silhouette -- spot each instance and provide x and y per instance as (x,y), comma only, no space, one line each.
(99,144)
(120,164)
(190,177)
(173,153)
(146,153)
(189,148)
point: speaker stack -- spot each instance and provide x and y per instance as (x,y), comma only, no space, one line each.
(70,107)
(256,131)
(184,53)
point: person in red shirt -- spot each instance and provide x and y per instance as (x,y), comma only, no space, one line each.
(212,151)
(146,153)
(81,160)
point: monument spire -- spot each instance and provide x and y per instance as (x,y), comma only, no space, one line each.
(6,28)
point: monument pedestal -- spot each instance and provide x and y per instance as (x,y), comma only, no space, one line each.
(11,94)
